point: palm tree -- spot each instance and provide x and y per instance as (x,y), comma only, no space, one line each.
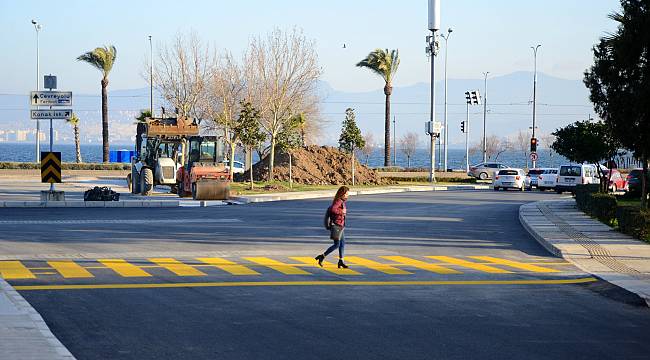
(103,59)
(384,63)
(74,121)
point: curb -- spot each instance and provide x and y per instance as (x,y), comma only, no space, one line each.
(90,204)
(625,281)
(25,308)
(329,193)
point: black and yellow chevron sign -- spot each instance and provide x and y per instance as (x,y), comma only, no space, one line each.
(50,167)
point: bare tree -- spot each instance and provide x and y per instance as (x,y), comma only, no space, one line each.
(521,143)
(408,144)
(226,89)
(547,141)
(281,74)
(369,147)
(182,73)
(495,146)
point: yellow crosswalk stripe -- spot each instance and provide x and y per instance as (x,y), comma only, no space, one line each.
(70,269)
(229,266)
(374,265)
(327,266)
(422,265)
(124,268)
(469,264)
(515,264)
(177,267)
(277,266)
(15,270)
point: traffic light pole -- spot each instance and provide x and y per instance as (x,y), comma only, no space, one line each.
(467,141)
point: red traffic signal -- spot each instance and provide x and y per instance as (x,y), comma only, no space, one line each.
(533,145)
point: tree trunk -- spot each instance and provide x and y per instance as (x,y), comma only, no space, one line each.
(352,157)
(290,173)
(77,145)
(408,161)
(231,160)
(250,170)
(387,91)
(644,182)
(271,158)
(105,145)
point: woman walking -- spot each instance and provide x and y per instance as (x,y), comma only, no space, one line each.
(337,212)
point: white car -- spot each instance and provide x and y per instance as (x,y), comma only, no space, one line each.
(573,174)
(548,179)
(510,179)
(238,166)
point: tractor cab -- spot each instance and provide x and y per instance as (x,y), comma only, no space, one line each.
(204,175)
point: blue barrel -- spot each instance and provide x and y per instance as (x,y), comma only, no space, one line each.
(113,156)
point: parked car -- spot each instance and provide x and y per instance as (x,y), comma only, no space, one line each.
(485,170)
(532,178)
(510,179)
(570,175)
(634,180)
(238,166)
(616,180)
(547,179)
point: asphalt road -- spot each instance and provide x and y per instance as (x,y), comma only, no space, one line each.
(444,275)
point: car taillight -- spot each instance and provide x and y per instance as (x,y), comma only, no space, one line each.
(497,177)
(518,177)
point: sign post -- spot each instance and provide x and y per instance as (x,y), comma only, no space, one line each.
(51,161)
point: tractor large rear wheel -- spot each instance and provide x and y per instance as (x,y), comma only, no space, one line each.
(146,184)
(135,182)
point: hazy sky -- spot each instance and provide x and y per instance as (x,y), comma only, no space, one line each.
(493,35)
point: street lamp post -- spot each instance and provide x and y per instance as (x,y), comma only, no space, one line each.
(485,74)
(446,129)
(534,93)
(38,28)
(394,143)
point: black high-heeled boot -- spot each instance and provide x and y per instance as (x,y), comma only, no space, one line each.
(320,259)
(342,264)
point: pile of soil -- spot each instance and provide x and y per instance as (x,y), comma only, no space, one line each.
(317,165)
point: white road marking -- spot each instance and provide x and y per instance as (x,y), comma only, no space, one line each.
(117,221)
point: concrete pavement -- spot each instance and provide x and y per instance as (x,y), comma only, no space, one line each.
(23,333)
(589,244)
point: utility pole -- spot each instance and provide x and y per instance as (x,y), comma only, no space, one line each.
(434,25)
(394,143)
(151,77)
(38,28)
(534,98)
(485,115)
(446,129)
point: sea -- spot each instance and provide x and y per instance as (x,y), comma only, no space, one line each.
(92,153)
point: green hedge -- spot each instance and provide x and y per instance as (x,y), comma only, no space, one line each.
(67,166)
(634,221)
(583,195)
(602,206)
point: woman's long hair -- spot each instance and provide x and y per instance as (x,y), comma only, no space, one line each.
(341,191)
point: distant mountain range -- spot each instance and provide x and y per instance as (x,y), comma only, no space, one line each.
(559,102)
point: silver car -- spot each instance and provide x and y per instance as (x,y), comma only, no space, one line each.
(485,170)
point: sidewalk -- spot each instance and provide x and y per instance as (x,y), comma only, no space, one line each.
(23,333)
(245,199)
(589,244)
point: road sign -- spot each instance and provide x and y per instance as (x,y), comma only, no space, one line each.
(50,167)
(51,98)
(51,114)
(533,156)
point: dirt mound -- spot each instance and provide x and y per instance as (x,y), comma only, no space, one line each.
(317,165)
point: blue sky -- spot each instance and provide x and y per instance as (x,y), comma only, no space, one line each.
(493,35)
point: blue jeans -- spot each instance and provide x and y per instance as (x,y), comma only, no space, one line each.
(340,244)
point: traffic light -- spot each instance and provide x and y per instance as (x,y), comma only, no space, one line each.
(533,145)
(468,97)
(476,97)
(462,126)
